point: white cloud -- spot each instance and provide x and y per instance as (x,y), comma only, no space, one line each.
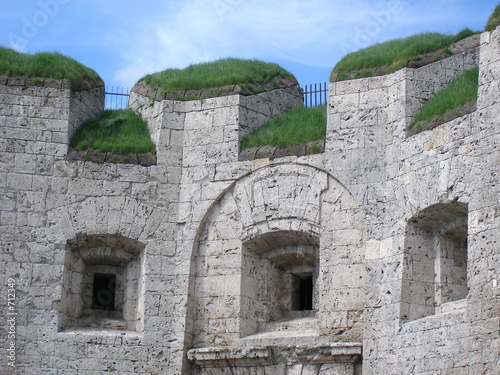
(125,40)
(200,30)
(314,33)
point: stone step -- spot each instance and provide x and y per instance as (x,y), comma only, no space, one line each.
(302,324)
(453,306)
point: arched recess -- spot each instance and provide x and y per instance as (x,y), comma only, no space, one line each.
(105,240)
(279,272)
(435,268)
(101,283)
(279,223)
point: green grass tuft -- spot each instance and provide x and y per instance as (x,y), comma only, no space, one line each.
(460,91)
(297,126)
(395,54)
(120,131)
(45,65)
(219,73)
(494,19)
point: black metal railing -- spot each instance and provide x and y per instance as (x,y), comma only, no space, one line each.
(315,94)
(116,97)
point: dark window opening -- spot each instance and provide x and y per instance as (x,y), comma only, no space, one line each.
(103,294)
(302,293)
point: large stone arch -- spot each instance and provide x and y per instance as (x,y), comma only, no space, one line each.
(278,213)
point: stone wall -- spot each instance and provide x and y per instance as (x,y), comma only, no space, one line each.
(44,113)
(417,194)
(59,218)
(391,240)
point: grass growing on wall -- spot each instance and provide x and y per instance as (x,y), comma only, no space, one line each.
(119,131)
(460,91)
(394,54)
(494,19)
(46,65)
(297,126)
(219,73)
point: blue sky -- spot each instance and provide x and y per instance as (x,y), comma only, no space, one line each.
(124,40)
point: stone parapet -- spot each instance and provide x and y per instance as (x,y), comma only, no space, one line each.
(40,117)
(209,131)
(393,98)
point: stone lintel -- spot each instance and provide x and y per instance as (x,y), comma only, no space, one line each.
(268,355)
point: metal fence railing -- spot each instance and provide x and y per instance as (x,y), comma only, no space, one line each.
(314,94)
(116,97)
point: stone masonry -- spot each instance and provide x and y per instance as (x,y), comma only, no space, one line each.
(378,255)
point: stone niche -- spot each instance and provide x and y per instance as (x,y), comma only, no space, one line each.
(279,271)
(435,273)
(101,283)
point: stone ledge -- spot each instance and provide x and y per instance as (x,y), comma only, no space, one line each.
(145,159)
(458,306)
(51,83)
(273,152)
(159,94)
(449,115)
(85,333)
(223,356)
(463,45)
(291,337)
(441,54)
